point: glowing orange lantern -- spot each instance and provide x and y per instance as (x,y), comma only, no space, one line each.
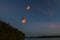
(28,7)
(23,20)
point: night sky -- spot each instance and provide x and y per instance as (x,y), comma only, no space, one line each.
(42,19)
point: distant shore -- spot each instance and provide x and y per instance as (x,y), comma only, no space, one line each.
(45,37)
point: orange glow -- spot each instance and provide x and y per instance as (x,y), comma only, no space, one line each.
(23,20)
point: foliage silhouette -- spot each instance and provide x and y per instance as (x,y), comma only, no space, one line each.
(9,33)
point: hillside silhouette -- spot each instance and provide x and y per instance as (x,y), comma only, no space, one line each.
(7,32)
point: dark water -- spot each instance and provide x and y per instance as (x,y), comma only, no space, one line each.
(42,38)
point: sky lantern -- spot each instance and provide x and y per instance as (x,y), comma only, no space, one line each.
(27,7)
(23,20)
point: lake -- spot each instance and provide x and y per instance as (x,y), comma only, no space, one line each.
(42,38)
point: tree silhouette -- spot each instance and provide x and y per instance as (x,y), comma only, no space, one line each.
(9,33)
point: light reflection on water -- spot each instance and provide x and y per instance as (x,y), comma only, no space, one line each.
(42,38)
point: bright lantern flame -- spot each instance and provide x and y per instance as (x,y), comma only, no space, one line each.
(23,20)
(28,7)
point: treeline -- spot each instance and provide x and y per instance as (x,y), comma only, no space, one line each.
(50,36)
(9,33)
